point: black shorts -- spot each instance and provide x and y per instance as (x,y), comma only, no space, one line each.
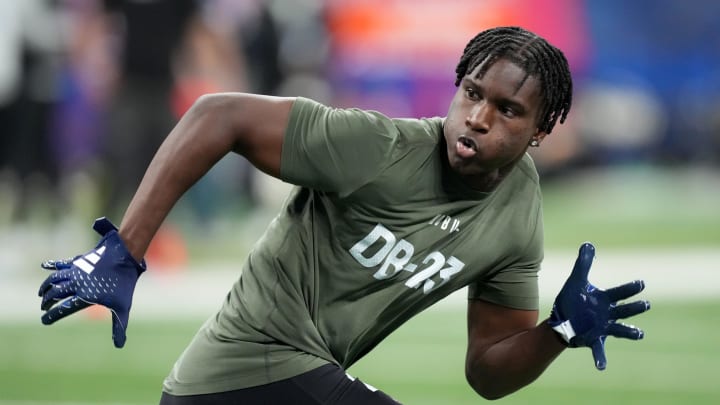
(328,384)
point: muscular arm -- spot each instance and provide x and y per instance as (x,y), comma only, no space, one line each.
(251,125)
(507,349)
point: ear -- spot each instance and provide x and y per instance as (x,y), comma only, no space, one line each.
(538,138)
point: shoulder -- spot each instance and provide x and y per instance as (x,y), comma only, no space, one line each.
(521,190)
(343,149)
(522,187)
(305,109)
(420,130)
(526,168)
(310,114)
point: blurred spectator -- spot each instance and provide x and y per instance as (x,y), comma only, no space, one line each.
(85,86)
(148,35)
(303,61)
(256,34)
(29,57)
(135,67)
(304,48)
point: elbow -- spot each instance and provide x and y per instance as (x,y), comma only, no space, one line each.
(221,116)
(207,109)
(231,116)
(484,385)
(208,104)
(485,390)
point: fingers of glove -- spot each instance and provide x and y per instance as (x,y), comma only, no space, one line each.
(627,310)
(55,293)
(598,352)
(55,278)
(63,309)
(61,264)
(586,254)
(119,326)
(620,330)
(625,291)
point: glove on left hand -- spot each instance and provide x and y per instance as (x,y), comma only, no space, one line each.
(105,275)
(585,315)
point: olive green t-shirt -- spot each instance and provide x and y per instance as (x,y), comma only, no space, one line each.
(377,229)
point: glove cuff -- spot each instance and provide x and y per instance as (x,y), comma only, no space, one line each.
(121,250)
(564,329)
(109,232)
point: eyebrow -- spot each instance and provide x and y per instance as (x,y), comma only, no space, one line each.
(504,101)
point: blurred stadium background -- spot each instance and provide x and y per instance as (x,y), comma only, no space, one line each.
(636,170)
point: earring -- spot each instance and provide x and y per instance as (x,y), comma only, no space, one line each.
(534,143)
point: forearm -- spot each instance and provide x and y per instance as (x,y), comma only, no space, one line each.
(199,140)
(513,362)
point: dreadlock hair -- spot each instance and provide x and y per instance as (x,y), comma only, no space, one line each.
(537,58)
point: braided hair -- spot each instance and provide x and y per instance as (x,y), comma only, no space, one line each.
(532,53)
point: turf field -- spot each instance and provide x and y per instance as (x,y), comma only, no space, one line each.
(75,363)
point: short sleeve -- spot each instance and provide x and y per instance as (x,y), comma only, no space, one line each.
(513,288)
(336,150)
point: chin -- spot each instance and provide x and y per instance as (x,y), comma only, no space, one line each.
(458,165)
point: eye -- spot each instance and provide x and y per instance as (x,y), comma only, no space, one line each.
(507,111)
(471,93)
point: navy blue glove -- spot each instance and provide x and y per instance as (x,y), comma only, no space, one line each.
(105,275)
(585,315)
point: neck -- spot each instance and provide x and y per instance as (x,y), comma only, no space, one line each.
(487,182)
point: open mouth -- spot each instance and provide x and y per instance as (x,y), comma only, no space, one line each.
(465,147)
(467,143)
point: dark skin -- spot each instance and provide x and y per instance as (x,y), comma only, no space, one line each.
(494,118)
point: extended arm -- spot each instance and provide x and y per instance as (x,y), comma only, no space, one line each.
(507,350)
(251,125)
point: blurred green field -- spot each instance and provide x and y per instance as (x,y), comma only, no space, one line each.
(633,207)
(74,362)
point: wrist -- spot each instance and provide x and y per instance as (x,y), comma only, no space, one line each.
(136,237)
(136,250)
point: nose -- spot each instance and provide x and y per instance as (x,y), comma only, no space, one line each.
(480,118)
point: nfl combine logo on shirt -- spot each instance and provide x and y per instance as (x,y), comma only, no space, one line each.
(446,223)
